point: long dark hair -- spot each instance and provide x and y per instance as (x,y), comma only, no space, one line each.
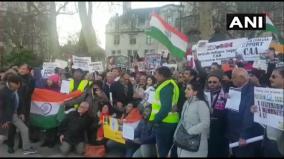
(197,86)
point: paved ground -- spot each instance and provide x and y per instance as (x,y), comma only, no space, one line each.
(42,151)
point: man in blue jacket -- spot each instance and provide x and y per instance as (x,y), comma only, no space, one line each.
(240,123)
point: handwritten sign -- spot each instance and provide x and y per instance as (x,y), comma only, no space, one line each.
(96,66)
(48,69)
(253,48)
(218,51)
(81,62)
(61,63)
(270,103)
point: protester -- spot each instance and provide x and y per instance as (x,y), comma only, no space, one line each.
(240,125)
(164,112)
(107,83)
(217,144)
(273,140)
(144,135)
(12,116)
(122,91)
(72,129)
(53,83)
(195,118)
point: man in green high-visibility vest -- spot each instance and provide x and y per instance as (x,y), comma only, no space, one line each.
(164,110)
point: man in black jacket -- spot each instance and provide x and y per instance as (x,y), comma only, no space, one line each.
(72,129)
(12,116)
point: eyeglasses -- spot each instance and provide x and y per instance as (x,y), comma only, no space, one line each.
(214,82)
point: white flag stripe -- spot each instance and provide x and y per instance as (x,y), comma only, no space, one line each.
(268,21)
(44,108)
(176,40)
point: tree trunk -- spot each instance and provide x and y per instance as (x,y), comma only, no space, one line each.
(87,27)
(53,35)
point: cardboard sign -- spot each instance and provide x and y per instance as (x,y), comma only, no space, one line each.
(112,131)
(270,104)
(233,103)
(218,51)
(48,69)
(170,65)
(253,48)
(81,62)
(152,61)
(61,63)
(96,66)
(65,86)
(128,130)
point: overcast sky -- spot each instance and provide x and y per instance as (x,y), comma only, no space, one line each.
(69,25)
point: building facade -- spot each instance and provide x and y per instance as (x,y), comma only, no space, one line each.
(198,20)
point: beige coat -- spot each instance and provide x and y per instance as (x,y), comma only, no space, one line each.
(196,120)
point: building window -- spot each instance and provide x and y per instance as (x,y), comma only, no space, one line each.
(145,52)
(129,52)
(119,52)
(116,40)
(152,51)
(135,54)
(132,40)
(148,40)
(113,52)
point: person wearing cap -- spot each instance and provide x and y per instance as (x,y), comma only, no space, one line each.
(53,83)
(217,144)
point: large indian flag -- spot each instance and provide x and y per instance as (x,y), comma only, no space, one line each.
(271,28)
(46,110)
(175,41)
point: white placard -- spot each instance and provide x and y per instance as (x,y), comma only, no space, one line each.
(260,64)
(65,86)
(218,51)
(61,63)
(96,66)
(114,124)
(48,69)
(248,141)
(81,62)
(150,94)
(170,65)
(270,105)
(253,48)
(234,100)
(128,130)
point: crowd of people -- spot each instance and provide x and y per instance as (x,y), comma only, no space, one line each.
(179,106)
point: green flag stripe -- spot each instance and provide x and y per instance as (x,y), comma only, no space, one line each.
(273,29)
(162,38)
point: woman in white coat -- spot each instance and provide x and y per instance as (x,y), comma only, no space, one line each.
(195,117)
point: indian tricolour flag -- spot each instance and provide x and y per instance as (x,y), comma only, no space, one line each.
(271,28)
(46,110)
(175,41)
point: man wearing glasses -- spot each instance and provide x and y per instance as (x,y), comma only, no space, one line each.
(217,144)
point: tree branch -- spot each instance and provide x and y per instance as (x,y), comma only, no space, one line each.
(63,6)
(67,13)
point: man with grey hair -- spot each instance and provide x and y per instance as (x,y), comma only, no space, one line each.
(108,82)
(240,123)
(72,129)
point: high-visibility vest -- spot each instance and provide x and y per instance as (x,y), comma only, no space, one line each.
(83,84)
(172,117)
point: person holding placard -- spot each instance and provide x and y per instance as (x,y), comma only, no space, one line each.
(240,126)
(217,144)
(273,145)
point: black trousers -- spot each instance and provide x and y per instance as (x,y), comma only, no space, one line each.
(11,136)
